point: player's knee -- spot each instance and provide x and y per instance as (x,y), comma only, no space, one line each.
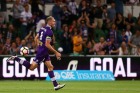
(32,69)
(50,67)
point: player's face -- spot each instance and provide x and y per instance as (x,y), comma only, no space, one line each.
(53,22)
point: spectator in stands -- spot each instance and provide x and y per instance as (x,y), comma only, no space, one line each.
(129,20)
(91,14)
(106,20)
(33,49)
(18,41)
(13,49)
(123,50)
(17,9)
(10,33)
(98,14)
(120,21)
(23,43)
(86,25)
(105,14)
(56,13)
(6,46)
(1,23)
(35,5)
(98,47)
(1,38)
(134,41)
(1,20)
(72,25)
(3,27)
(38,21)
(77,42)
(4,30)
(111,12)
(89,49)
(40,24)
(122,37)
(128,32)
(83,27)
(30,42)
(29,39)
(26,18)
(66,16)
(73,32)
(82,7)
(119,6)
(113,35)
(109,48)
(137,25)
(66,40)
(40,15)
(72,6)
(23,2)
(3,10)
(89,7)
(91,27)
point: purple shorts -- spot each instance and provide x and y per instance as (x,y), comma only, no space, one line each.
(42,56)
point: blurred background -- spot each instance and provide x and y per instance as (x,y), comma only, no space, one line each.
(83,27)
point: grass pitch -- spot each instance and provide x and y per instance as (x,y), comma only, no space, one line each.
(71,87)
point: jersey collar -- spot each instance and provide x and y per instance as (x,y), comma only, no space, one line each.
(49,26)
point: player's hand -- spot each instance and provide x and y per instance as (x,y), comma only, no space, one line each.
(58,55)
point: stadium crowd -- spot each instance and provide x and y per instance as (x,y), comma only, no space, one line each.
(85,28)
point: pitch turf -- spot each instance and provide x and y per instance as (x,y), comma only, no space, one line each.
(71,87)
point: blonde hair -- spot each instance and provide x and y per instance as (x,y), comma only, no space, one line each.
(49,18)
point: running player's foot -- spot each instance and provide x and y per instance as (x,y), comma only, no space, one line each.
(11,58)
(59,86)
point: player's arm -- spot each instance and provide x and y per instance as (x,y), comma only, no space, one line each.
(48,45)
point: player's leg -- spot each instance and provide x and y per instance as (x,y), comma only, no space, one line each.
(50,72)
(51,75)
(33,65)
(24,62)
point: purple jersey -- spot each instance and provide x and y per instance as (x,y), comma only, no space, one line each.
(45,34)
(42,51)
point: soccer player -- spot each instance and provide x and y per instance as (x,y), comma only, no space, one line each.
(44,39)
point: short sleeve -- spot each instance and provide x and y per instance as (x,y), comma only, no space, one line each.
(49,34)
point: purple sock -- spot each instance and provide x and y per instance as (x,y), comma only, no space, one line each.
(23,62)
(51,75)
